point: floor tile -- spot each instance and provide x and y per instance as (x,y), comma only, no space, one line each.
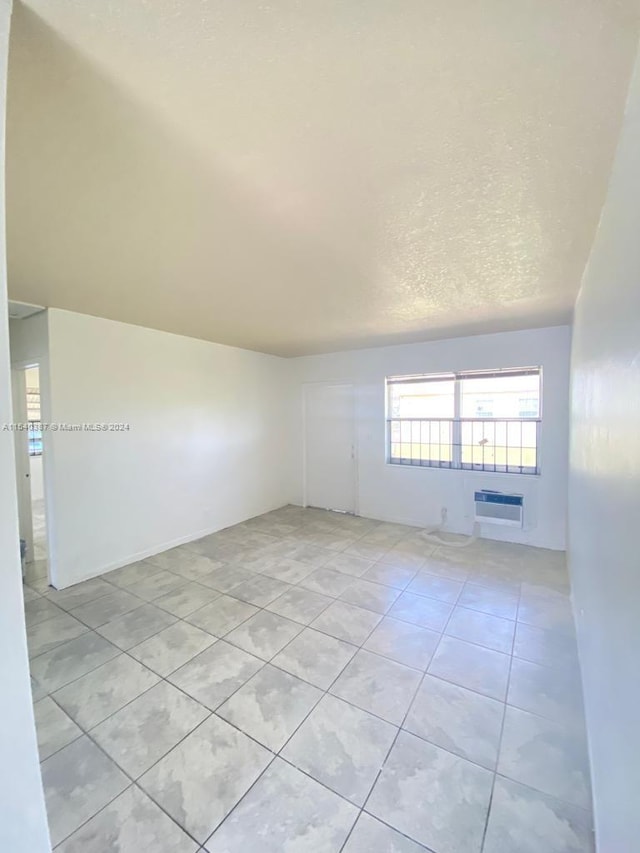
(525,821)
(370,834)
(347,622)
(264,634)
(434,797)
(260,590)
(270,706)
(132,628)
(156,585)
(202,779)
(491,601)
(53,727)
(216,673)
(548,580)
(147,728)
(370,596)
(555,693)
(456,719)
(403,560)
(403,642)
(481,628)
(445,568)
(285,811)
(289,571)
(389,575)
(420,610)
(315,657)
(95,696)
(39,610)
(187,598)
(381,686)
(217,549)
(311,554)
(40,585)
(78,781)
(137,572)
(37,691)
(348,564)
(327,582)
(46,635)
(301,605)
(71,660)
(545,755)
(222,615)
(183,562)
(471,666)
(433,586)
(550,613)
(341,746)
(366,550)
(36,568)
(132,823)
(549,648)
(29,594)
(80,593)
(172,647)
(227,578)
(106,608)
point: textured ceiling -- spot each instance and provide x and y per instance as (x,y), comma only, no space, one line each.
(302,176)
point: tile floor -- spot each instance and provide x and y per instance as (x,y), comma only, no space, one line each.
(309,681)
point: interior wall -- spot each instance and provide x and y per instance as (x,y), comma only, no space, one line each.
(23,822)
(206,440)
(416,495)
(605,494)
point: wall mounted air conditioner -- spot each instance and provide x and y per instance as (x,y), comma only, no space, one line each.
(499,508)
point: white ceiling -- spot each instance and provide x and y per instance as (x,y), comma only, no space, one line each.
(301,176)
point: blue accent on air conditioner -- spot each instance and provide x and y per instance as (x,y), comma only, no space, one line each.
(491,497)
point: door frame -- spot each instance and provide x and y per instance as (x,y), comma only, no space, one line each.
(22,458)
(306,387)
(18,379)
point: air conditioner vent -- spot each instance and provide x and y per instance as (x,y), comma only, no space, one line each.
(499,508)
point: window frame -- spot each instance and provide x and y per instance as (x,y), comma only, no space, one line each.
(457,421)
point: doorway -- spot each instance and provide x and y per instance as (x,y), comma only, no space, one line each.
(329,447)
(29,448)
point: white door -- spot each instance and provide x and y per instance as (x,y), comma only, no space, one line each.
(330,481)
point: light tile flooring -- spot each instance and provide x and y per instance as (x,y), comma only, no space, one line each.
(308,681)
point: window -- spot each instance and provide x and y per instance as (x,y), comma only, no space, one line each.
(485,420)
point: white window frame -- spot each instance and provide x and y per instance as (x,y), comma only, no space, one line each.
(457,421)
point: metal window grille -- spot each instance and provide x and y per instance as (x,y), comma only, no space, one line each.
(507,445)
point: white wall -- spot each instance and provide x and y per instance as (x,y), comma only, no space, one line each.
(36,478)
(208,444)
(23,824)
(416,495)
(604,492)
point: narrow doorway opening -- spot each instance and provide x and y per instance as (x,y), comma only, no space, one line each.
(36,477)
(29,447)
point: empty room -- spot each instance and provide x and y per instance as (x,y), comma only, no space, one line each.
(319,426)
